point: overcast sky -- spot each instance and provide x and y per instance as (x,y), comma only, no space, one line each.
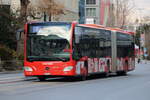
(143,6)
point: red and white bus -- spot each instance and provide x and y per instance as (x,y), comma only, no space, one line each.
(55,49)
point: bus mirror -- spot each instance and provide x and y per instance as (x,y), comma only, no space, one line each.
(76,56)
(19,33)
(67,50)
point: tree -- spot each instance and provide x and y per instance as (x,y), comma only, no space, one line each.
(6,35)
(122,9)
(23,11)
(9,24)
(46,7)
(138,35)
(143,29)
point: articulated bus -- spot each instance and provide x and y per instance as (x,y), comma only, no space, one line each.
(62,49)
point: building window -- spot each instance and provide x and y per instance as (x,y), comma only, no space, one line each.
(91,2)
(90,12)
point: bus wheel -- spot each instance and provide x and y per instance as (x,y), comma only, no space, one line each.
(41,78)
(106,74)
(84,74)
(122,73)
(108,69)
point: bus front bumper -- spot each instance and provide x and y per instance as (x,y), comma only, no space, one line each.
(68,71)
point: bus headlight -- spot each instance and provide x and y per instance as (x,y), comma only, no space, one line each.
(26,68)
(69,68)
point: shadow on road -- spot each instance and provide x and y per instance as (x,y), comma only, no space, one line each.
(77,79)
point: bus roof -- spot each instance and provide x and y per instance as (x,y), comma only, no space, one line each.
(92,25)
(106,28)
(85,25)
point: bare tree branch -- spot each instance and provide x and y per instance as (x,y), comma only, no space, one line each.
(122,9)
(50,7)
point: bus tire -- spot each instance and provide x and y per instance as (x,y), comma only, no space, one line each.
(122,73)
(41,78)
(83,78)
(108,65)
(84,74)
(106,74)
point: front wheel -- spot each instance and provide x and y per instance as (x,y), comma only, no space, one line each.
(41,78)
(84,74)
(83,77)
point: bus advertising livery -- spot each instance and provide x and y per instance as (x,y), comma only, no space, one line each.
(62,49)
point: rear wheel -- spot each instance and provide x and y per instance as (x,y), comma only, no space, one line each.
(122,73)
(107,74)
(108,69)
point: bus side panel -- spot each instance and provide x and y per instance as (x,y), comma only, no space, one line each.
(125,64)
(99,65)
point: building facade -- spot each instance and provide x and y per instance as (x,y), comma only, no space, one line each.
(81,11)
(94,11)
(5,2)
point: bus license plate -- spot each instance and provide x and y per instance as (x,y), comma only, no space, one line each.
(46,73)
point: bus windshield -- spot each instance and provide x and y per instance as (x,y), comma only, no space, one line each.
(48,42)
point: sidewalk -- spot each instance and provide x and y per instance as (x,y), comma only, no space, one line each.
(11,72)
(143,62)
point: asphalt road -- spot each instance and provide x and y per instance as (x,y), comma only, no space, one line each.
(134,86)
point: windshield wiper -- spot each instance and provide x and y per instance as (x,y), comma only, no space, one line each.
(47,59)
(62,59)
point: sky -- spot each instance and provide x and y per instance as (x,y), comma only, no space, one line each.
(143,6)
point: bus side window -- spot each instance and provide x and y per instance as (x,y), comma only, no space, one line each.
(77,43)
